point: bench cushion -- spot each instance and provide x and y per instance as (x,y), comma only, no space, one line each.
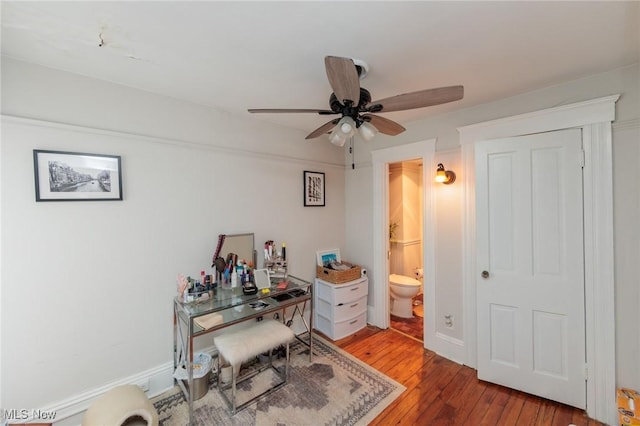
(239,346)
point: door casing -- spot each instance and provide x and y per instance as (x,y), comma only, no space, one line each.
(594,117)
(378,313)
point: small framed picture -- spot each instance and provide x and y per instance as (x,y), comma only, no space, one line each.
(313,189)
(75,176)
(325,257)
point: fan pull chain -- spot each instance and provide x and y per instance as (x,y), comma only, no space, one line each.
(352,152)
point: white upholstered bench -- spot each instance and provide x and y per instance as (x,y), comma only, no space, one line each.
(234,348)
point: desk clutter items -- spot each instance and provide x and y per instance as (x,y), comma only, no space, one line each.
(275,261)
(209,320)
(249,288)
(271,252)
(628,406)
(231,271)
(191,290)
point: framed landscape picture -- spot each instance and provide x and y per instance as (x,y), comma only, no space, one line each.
(325,257)
(75,176)
(313,189)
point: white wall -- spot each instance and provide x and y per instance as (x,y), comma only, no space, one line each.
(626,150)
(448,213)
(405,210)
(87,287)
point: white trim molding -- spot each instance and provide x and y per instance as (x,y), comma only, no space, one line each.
(594,117)
(379,312)
(238,152)
(450,348)
(153,381)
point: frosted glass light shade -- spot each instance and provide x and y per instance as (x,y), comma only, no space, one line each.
(347,126)
(367,131)
(337,138)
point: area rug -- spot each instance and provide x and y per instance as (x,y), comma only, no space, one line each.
(335,389)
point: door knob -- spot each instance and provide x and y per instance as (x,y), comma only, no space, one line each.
(485,274)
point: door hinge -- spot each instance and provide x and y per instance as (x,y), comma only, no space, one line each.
(582,158)
(586,372)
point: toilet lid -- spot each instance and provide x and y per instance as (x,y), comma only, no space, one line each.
(403,280)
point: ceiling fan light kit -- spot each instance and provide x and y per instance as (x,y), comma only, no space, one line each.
(347,126)
(367,131)
(337,138)
(354,105)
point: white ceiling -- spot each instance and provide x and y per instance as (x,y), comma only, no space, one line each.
(238,55)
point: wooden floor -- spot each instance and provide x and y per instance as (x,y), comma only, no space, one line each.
(441,392)
(410,326)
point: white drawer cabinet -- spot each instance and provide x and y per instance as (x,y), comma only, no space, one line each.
(340,309)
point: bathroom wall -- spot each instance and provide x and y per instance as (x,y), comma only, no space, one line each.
(405,201)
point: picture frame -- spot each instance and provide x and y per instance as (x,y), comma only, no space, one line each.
(314,189)
(77,176)
(323,257)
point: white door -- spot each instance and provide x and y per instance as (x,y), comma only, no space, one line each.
(530,287)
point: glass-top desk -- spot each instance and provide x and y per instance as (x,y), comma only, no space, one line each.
(234,307)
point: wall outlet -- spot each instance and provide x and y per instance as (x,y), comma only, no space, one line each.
(448,320)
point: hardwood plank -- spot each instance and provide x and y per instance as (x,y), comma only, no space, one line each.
(512,409)
(441,392)
(497,406)
(529,413)
(563,415)
(483,404)
(430,390)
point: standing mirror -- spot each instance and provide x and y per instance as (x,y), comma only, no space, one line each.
(242,245)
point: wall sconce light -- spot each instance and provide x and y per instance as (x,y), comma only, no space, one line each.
(445,176)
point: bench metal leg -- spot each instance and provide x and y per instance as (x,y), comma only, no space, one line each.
(232,400)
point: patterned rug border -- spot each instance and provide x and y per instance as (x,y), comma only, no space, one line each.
(173,398)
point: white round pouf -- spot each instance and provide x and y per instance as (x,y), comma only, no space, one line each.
(119,405)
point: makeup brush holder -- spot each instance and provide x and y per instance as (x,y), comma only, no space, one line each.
(277,268)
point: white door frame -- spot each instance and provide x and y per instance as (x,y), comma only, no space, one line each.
(378,314)
(594,117)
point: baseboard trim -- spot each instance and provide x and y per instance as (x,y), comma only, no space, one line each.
(450,348)
(154,381)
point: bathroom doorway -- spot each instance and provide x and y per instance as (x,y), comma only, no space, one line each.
(406,252)
(380,308)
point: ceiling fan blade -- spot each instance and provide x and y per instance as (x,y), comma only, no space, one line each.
(420,99)
(384,125)
(343,78)
(323,129)
(276,110)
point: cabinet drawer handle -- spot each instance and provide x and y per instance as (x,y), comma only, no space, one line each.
(340,304)
(353,322)
(354,289)
(354,305)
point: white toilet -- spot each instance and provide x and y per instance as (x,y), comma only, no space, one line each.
(402,290)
